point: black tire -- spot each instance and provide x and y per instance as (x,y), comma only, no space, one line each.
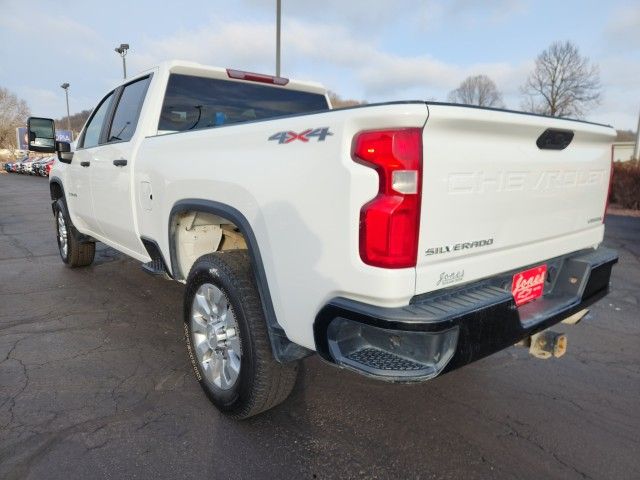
(262,382)
(77,254)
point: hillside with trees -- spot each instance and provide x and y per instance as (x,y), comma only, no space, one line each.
(77,121)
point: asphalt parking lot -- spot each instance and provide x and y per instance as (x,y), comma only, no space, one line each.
(95,383)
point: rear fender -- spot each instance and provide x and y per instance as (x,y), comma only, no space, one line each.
(284,350)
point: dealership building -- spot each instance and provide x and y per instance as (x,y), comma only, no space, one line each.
(623,151)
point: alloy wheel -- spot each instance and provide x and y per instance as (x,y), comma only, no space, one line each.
(215,336)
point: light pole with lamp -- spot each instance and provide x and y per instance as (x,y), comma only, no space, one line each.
(65,87)
(636,149)
(122,51)
(278,15)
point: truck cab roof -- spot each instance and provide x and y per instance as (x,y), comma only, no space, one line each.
(193,68)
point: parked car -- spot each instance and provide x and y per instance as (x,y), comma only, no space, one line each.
(16,166)
(21,166)
(47,167)
(30,166)
(400,240)
(33,168)
(44,166)
(36,167)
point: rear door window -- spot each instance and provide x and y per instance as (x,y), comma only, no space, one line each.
(127,112)
(193,102)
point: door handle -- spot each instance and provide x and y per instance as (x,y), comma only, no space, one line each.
(120,163)
(85,164)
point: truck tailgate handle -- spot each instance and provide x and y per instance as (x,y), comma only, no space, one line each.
(554,139)
(85,164)
(120,163)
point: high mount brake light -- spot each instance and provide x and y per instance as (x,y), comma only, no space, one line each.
(390,223)
(256,77)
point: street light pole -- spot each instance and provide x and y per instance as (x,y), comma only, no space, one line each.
(65,87)
(122,51)
(278,14)
(636,150)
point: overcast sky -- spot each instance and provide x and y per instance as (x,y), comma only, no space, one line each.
(375,50)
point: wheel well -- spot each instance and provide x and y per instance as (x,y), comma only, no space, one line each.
(189,212)
(196,233)
(56,191)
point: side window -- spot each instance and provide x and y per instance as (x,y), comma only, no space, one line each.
(91,136)
(128,110)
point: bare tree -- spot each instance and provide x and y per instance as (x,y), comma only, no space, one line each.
(563,83)
(477,90)
(13,113)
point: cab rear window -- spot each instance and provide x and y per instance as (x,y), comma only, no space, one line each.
(192,102)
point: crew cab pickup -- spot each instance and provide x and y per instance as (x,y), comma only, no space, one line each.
(399,240)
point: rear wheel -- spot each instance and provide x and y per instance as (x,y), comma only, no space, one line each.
(227,337)
(73,252)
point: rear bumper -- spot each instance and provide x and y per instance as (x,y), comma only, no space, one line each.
(444,330)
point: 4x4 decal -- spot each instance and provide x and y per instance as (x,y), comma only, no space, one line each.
(305,136)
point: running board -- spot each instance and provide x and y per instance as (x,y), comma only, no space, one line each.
(156,266)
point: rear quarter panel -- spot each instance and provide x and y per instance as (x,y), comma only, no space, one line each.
(302,200)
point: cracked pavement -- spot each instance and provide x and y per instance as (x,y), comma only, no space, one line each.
(95,383)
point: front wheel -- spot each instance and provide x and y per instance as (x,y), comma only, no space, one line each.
(73,252)
(227,338)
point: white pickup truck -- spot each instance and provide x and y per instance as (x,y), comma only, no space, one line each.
(399,240)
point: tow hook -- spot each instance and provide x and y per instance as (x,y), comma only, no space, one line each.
(546,344)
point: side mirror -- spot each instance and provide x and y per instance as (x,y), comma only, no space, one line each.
(65,155)
(42,135)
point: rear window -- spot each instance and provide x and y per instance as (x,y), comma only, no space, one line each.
(193,102)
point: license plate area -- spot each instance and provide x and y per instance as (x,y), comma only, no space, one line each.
(528,285)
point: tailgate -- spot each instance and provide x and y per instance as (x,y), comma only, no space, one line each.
(493,201)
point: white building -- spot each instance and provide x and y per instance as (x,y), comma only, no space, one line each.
(623,151)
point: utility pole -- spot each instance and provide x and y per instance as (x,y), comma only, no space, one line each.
(65,87)
(122,51)
(636,150)
(278,15)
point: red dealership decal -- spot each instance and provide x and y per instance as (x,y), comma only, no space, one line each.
(528,285)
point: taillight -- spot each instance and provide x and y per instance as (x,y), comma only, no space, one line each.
(389,224)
